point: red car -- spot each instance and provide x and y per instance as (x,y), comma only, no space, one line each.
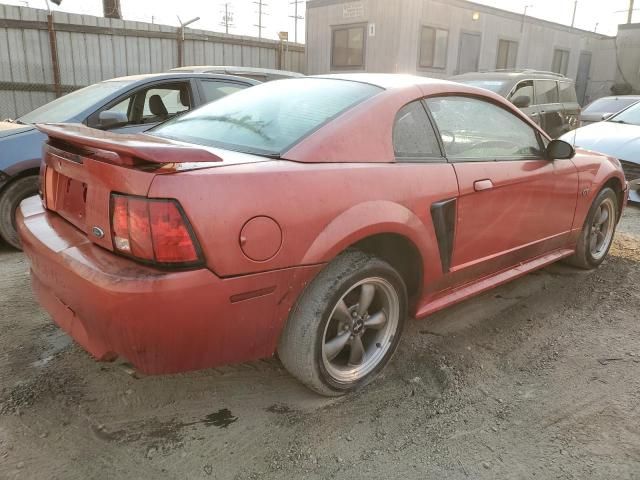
(308,217)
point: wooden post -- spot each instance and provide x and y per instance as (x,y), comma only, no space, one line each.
(55,65)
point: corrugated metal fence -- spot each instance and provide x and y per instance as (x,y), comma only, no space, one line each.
(91,49)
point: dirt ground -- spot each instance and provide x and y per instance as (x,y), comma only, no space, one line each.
(537,379)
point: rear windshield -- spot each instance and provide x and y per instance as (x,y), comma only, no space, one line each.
(70,106)
(496,86)
(267,118)
(609,105)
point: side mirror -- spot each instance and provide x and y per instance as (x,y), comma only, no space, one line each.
(560,150)
(522,101)
(606,116)
(107,120)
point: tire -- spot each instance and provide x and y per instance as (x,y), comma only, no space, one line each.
(10,198)
(328,311)
(584,256)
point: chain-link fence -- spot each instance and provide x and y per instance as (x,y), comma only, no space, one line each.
(43,56)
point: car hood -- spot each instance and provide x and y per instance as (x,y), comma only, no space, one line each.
(615,139)
(9,128)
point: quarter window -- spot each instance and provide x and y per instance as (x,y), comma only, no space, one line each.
(546,92)
(560,61)
(347,47)
(433,47)
(474,129)
(507,54)
(413,135)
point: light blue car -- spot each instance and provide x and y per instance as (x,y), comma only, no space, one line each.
(124,105)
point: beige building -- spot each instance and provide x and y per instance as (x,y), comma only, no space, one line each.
(441,38)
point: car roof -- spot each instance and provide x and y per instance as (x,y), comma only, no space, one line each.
(145,77)
(269,73)
(388,80)
(513,75)
(616,97)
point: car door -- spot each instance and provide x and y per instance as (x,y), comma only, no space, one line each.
(550,109)
(148,106)
(523,90)
(514,203)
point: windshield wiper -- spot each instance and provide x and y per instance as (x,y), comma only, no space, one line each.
(619,121)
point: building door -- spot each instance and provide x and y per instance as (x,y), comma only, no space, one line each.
(469,54)
(584,67)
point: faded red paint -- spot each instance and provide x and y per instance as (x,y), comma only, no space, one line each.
(335,188)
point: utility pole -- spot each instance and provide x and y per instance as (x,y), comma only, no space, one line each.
(296,17)
(575,9)
(524,17)
(227,18)
(111,9)
(630,17)
(261,5)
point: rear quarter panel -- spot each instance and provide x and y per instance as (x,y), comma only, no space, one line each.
(321,208)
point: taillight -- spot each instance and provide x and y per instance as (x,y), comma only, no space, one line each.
(153,230)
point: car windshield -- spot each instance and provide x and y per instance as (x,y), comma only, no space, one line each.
(495,86)
(68,107)
(630,116)
(268,118)
(608,105)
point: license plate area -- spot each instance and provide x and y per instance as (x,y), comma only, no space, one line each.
(66,196)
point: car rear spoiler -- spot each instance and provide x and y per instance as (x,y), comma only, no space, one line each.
(128,147)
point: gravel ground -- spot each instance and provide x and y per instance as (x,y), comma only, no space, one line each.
(537,379)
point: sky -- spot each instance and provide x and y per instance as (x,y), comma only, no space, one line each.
(606,13)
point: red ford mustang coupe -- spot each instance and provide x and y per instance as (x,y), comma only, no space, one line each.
(308,217)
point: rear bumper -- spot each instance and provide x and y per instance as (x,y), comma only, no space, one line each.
(161,322)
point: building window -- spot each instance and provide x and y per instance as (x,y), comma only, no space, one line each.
(507,55)
(433,47)
(347,47)
(560,61)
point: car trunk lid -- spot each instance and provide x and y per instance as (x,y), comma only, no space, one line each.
(83,167)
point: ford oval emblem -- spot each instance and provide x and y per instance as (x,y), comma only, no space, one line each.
(98,232)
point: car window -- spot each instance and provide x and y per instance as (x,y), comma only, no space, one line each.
(213,90)
(609,105)
(413,135)
(546,91)
(523,89)
(476,129)
(567,92)
(268,118)
(162,103)
(69,106)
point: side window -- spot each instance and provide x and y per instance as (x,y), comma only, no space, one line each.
(523,89)
(475,129)
(413,135)
(213,89)
(546,91)
(164,102)
(567,92)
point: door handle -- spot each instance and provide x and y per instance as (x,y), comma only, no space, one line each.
(480,185)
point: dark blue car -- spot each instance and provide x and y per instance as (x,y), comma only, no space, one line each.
(125,105)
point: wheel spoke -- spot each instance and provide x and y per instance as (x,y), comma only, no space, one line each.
(600,234)
(367,292)
(593,244)
(376,321)
(357,351)
(604,216)
(333,347)
(342,312)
